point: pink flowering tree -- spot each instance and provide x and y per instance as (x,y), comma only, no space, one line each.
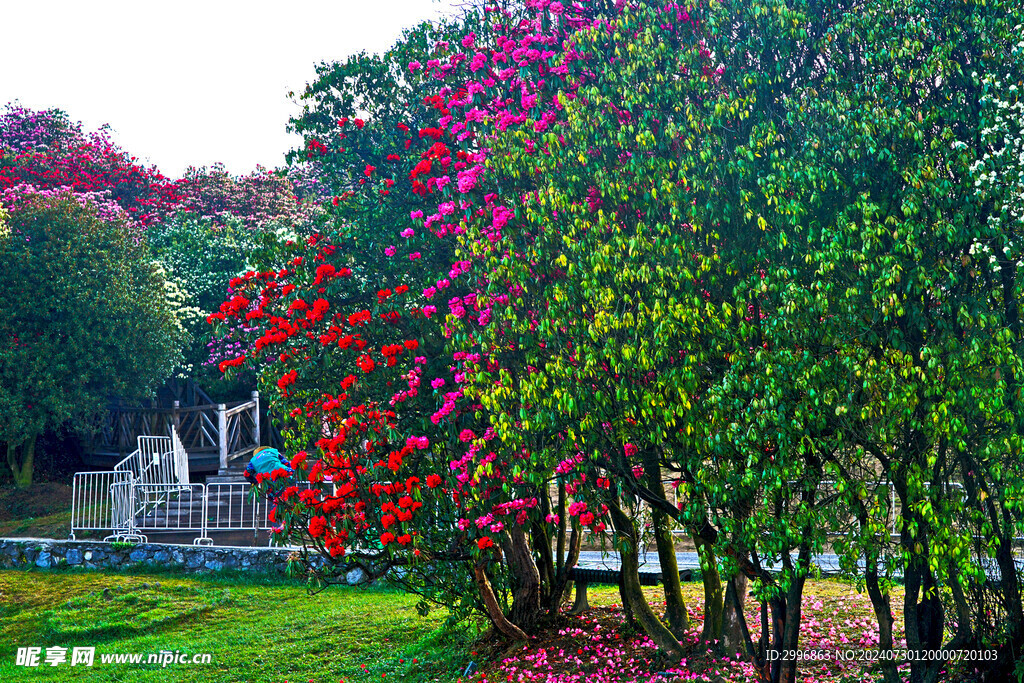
(47,150)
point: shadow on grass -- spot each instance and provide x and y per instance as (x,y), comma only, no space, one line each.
(119,612)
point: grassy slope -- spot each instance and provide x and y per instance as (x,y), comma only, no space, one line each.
(255,629)
(43,511)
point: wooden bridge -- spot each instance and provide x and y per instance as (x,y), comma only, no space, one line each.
(214,434)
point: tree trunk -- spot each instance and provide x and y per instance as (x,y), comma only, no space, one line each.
(922,617)
(791,625)
(541,541)
(497,617)
(964,632)
(21,466)
(526,594)
(1014,620)
(562,522)
(562,584)
(713,592)
(883,612)
(746,644)
(632,593)
(732,637)
(675,607)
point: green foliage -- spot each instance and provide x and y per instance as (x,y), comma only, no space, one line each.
(770,247)
(780,243)
(200,257)
(84,317)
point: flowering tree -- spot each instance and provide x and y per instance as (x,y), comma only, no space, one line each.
(369,337)
(497,499)
(260,198)
(222,223)
(24,130)
(693,224)
(84,316)
(725,242)
(46,150)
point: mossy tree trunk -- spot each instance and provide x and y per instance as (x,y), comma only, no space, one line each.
(493,608)
(675,606)
(632,594)
(525,611)
(20,458)
(733,638)
(714,594)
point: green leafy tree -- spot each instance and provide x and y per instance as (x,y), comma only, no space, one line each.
(84,317)
(201,257)
(794,209)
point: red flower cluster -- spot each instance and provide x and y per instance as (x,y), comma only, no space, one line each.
(287,380)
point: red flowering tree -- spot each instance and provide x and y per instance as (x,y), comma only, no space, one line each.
(46,150)
(381,167)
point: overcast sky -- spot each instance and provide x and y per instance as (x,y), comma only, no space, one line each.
(189,82)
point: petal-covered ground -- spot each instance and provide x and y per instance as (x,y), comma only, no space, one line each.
(594,647)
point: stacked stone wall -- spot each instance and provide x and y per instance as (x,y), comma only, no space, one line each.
(48,553)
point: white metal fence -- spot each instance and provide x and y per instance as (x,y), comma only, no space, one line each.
(231,507)
(149,477)
(96,499)
(149,492)
(181,509)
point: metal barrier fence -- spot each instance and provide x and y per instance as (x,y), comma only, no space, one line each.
(147,494)
(230,507)
(180,510)
(94,498)
(112,501)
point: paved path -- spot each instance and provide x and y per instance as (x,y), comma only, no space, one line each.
(595,559)
(686,560)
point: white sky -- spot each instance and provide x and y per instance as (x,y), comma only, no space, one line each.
(188,82)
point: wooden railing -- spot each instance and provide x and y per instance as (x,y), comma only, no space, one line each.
(238,429)
(229,430)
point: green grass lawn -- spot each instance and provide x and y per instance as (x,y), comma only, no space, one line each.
(255,629)
(269,629)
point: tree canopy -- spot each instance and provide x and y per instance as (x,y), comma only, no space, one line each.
(752,269)
(84,317)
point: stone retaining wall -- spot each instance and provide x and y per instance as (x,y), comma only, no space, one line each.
(46,553)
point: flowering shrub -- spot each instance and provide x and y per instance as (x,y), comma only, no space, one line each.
(46,150)
(604,273)
(258,199)
(498,495)
(24,130)
(210,240)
